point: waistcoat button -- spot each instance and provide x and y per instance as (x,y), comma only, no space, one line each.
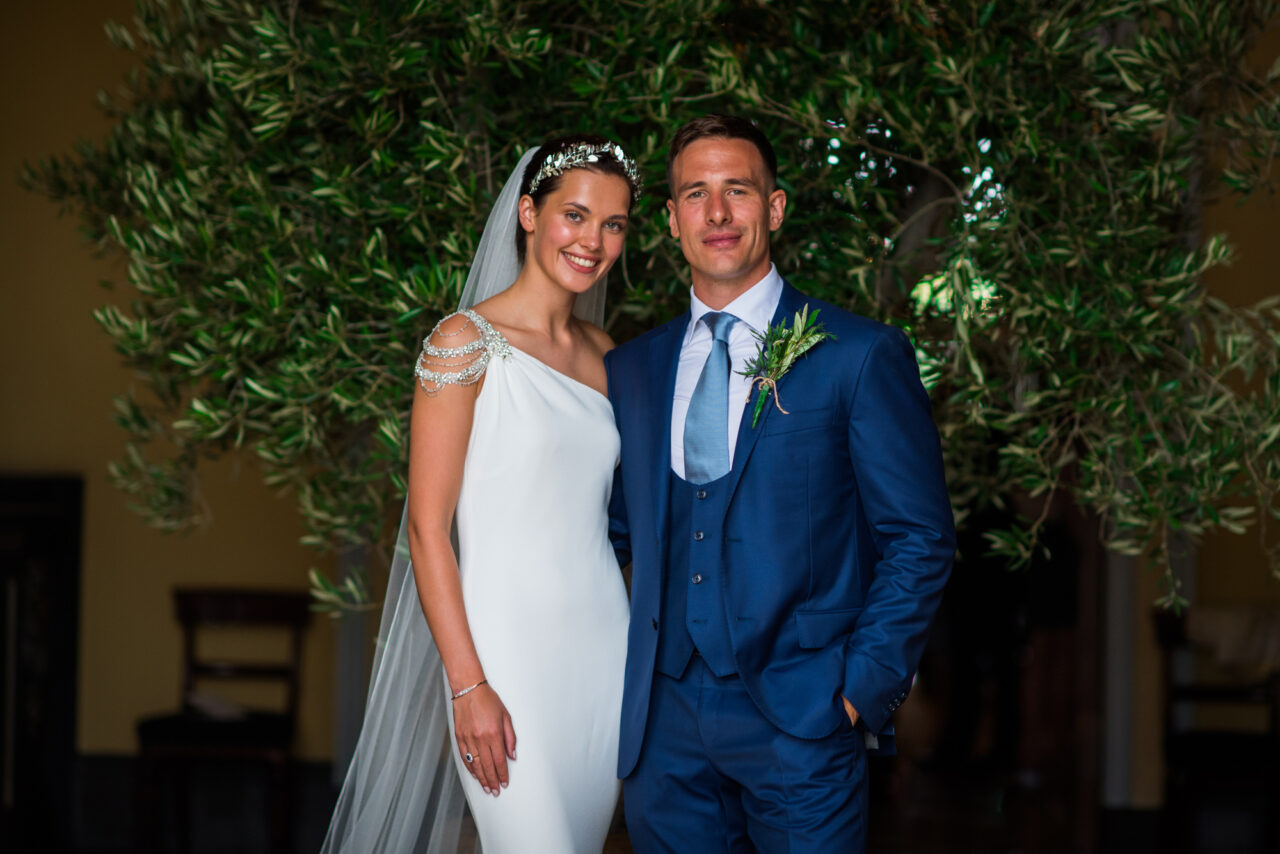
(697,578)
(697,536)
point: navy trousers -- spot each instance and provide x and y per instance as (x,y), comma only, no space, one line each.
(715,775)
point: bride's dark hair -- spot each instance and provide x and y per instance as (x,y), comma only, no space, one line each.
(605,164)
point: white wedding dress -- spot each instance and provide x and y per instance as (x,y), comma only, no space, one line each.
(545,600)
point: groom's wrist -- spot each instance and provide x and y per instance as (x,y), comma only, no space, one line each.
(850,710)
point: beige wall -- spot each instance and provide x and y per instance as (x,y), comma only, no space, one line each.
(1146,786)
(1230,570)
(58,375)
(1233,570)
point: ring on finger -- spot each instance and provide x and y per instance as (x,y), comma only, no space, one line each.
(469,757)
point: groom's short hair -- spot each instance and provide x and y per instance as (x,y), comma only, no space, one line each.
(724,127)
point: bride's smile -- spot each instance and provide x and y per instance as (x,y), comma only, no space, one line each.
(581,263)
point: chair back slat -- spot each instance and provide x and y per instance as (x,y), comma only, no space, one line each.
(199,608)
(229,606)
(240,670)
(1172,635)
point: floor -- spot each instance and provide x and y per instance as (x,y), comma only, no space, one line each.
(916,808)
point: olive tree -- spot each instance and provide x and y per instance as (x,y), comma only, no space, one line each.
(298,187)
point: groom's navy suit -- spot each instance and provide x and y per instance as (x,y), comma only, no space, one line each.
(830,540)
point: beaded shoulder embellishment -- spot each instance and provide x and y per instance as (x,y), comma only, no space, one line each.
(465,364)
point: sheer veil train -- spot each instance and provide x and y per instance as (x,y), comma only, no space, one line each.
(401,792)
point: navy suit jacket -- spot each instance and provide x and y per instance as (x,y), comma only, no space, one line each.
(837,538)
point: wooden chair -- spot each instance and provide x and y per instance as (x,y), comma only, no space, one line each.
(176,742)
(1208,769)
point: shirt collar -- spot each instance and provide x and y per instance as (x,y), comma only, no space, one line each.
(754,306)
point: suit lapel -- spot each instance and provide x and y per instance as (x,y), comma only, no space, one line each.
(790,301)
(664,359)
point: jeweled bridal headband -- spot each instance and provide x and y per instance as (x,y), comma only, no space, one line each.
(583,154)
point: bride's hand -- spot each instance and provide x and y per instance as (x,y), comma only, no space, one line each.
(483,729)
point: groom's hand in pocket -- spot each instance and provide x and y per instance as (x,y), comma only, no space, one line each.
(484,729)
(850,710)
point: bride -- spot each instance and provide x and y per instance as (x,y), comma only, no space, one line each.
(512,698)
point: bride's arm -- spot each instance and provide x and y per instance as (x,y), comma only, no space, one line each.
(439,431)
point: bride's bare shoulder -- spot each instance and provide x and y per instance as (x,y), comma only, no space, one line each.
(597,338)
(496,314)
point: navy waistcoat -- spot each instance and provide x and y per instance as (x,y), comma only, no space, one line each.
(693,614)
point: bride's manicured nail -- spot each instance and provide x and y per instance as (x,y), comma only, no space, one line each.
(504,785)
(486,790)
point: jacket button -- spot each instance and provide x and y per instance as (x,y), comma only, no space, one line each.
(697,578)
(701,493)
(655,624)
(697,536)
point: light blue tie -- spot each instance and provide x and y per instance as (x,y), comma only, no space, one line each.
(706,427)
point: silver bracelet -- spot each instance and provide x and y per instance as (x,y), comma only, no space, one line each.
(465,691)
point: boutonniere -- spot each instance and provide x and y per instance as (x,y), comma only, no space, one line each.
(779,347)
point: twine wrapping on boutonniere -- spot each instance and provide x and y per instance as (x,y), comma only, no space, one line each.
(779,348)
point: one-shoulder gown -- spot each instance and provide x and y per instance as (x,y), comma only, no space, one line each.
(545,601)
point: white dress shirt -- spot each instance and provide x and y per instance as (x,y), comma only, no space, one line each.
(754,309)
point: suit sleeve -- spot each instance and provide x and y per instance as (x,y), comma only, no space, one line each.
(619,532)
(897,463)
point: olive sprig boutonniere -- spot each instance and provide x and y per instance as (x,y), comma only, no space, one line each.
(779,348)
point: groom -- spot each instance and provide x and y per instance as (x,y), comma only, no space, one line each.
(784,572)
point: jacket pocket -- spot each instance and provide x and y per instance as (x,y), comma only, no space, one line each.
(796,419)
(816,629)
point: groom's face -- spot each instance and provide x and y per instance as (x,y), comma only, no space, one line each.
(722,210)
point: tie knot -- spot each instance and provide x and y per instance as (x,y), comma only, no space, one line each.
(720,323)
